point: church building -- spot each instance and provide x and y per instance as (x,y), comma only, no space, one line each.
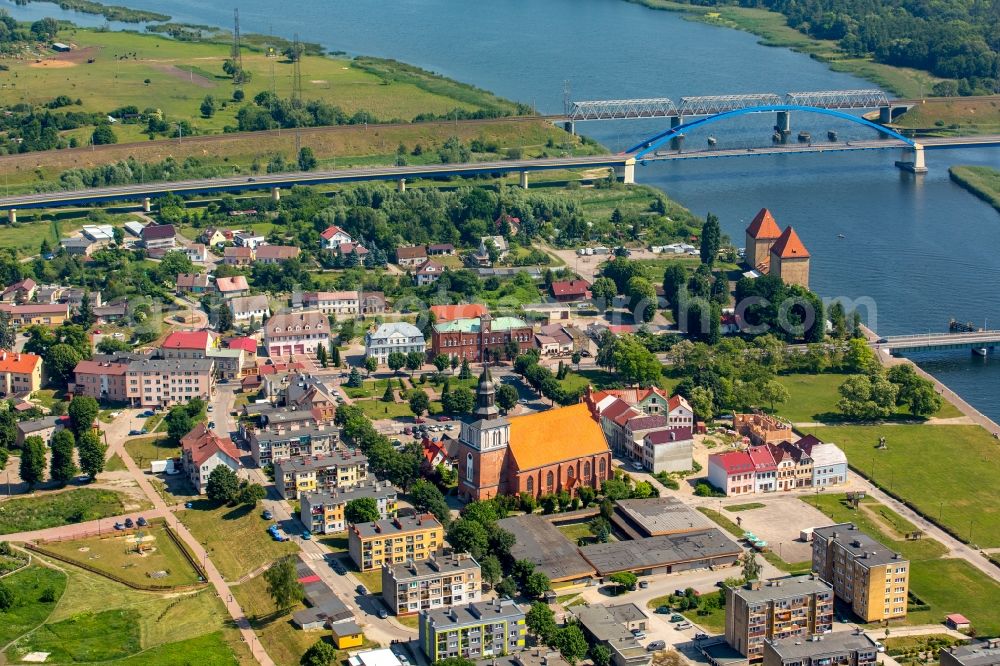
(542,453)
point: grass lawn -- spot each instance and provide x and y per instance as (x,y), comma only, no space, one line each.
(879,522)
(376,409)
(371,580)
(575,531)
(44,397)
(28,611)
(335,542)
(750,506)
(955,586)
(236,538)
(212,650)
(370,388)
(814,398)
(411,621)
(984,182)
(114,464)
(712,620)
(28,237)
(285,643)
(145,449)
(90,636)
(898,645)
(946,472)
(25,514)
(116,554)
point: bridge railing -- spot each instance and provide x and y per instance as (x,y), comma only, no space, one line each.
(840,99)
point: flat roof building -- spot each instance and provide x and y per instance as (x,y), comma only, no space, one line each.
(668,553)
(612,626)
(475,631)
(437,582)
(982,653)
(394,540)
(844,648)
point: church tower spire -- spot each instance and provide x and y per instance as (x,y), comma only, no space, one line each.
(486,394)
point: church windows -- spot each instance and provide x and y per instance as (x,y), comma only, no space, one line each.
(602,469)
(586,471)
(570,473)
(549,482)
(529,485)
(469,468)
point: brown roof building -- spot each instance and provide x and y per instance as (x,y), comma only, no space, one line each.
(761,235)
(790,259)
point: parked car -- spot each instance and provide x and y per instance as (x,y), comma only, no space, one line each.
(267,515)
(129,524)
(133,433)
(211,424)
(143,432)
(643,584)
(636,465)
(382,614)
(444,418)
(307,535)
(141,522)
(677,617)
(360,589)
(681,626)
(663,610)
(119,526)
(188,505)
(700,636)
(656,645)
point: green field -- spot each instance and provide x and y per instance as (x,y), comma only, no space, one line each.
(376,409)
(955,586)
(984,182)
(946,472)
(285,643)
(28,611)
(813,398)
(750,506)
(145,449)
(26,514)
(116,553)
(335,542)
(236,538)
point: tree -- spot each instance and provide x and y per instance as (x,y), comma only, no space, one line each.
(625,579)
(536,584)
(223,485)
(600,654)
(634,362)
(283,583)
(867,398)
(440,362)
(571,643)
(85,311)
(7,598)
(371,365)
(307,159)
(223,318)
(396,360)
(466,371)
(468,536)
(604,291)
(414,361)
(63,464)
(541,621)
(103,135)
(454,661)
(354,379)
(33,461)
(319,653)
(702,402)
(506,588)
(361,510)
(60,362)
(459,401)
(419,402)
(334,355)
(587,495)
(250,493)
(425,496)
(7,334)
(82,413)
(674,277)
(388,395)
(711,240)
(506,397)
(642,298)
(208,106)
(774,392)
(321,355)
(751,567)
(490,568)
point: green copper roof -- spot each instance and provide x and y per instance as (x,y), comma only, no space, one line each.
(472,325)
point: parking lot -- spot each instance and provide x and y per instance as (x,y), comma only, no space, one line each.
(779,522)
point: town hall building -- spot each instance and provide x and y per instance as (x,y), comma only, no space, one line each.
(540,454)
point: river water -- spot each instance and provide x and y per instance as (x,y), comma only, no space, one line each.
(919,247)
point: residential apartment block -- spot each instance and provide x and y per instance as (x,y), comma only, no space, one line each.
(102,378)
(795,607)
(437,582)
(477,631)
(983,653)
(612,627)
(296,333)
(319,473)
(160,382)
(281,442)
(323,512)
(20,373)
(393,541)
(843,648)
(869,577)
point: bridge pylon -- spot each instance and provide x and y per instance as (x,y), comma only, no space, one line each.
(913,159)
(677,142)
(627,171)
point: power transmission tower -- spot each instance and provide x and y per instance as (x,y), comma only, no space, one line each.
(566,96)
(237,54)
(296,71)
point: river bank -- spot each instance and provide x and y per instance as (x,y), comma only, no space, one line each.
(983,182)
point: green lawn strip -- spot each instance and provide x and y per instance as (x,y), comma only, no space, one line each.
(372,580)
(575,531)
(947,473)
(25,514)
(836,507)
(900,645)
(86,637)
(814,398)
(211,650)
(411,621)
(750,506)
(146,449)
(984,182)
(712,620)
(116,553)
(28,611)
(335,542)
(955,586)
(285,643)
(115,464)
(737,531)
(236,537)
(376,409)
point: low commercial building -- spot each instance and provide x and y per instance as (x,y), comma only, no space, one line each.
(29,314)
(844,648)
(45,427)
(319,473)
(667,553)
(795,607)
(537,540)
(866,575)
(612,626)
(393,541)
(347,635)
(270,446)
(325,609)
(20,373)
(434,583)
(393,337)
(323,512)
(476,631)
(981,653)
(657,516)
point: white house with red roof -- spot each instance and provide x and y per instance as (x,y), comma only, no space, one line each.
(333,237)
(765,468)
(732,472)
(231,287)
(428,272)
(189,344)
(202,451)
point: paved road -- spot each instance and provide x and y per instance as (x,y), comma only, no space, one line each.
(80,530)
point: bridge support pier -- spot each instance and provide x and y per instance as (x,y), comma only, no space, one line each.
(677,142)
(913,160)
(275,194)
(884,115)
(570,126)
(146,205)
(783,126)
(401,185)
(626,172)
(12,215)
(524,180)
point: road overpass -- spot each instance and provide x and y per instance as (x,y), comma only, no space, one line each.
(900,344)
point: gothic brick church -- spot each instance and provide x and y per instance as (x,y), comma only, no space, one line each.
(560,449)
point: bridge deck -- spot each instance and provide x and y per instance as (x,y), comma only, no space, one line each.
(940,341)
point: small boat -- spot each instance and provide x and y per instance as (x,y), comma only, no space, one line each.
(711,141)
(805,137)
(831,135)
(981,351)
(841,236)
(776,137)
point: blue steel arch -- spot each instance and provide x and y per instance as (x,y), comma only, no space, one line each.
(640,150)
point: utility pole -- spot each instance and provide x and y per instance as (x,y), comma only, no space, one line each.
(237,52)
(567,90)
(296,72)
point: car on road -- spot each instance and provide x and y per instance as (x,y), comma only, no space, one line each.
(656,645)
(119,526)
(211,424)
(644,584)
(133,432)
(307,535)
(636,465)
(444,418)
(879,647)
(701,636)
(882,341)
(677,617)
(210,408)
(267,515)
(338,567)
(143,432)
(360,589)
(382,614)
(188,505)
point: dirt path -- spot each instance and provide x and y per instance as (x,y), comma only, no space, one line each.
(187,76)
